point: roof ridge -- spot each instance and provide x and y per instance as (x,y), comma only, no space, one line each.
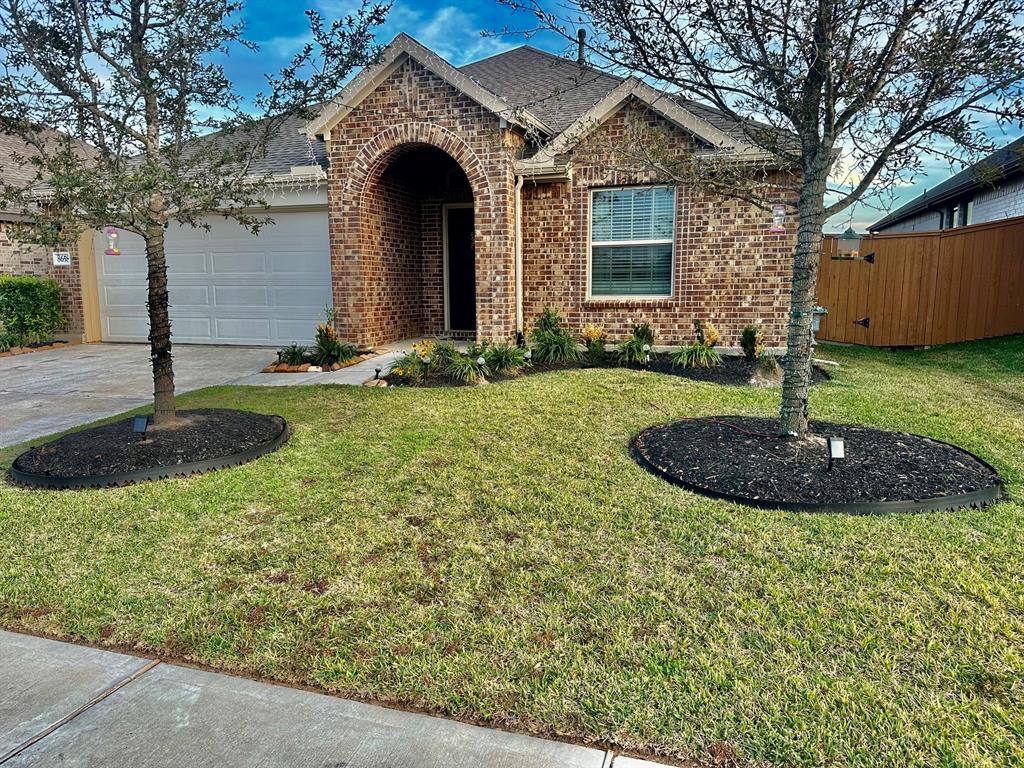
(547,54)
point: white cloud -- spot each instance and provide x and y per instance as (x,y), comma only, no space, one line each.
(450,31)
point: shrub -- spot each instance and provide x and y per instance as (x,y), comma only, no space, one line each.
(701,354)
(328,349)
(409,366)
(636,350)
(752,342)
(504,358)
(293,354)
(29,308)
(469,368)
(552,344)
(768,365)
(595,339)
(697,356)
(6,342)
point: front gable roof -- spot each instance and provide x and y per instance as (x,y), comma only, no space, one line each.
(394,55)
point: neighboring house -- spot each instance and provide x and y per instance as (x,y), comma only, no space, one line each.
(18,257)
(428,200)
(990,190)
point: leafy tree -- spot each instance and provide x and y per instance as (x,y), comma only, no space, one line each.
(168,138)
(857,91)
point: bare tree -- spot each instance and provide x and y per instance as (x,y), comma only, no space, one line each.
(857,91)
(140,82)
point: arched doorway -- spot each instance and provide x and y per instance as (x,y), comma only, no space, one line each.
(417,246)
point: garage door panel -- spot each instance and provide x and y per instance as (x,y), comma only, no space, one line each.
(243,330)
(241,296)
(188,263)
(252,262)
(128,296)
(297,296)
(225,285)
(125,264)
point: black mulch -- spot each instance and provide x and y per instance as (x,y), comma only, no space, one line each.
(742,457)
(114,449)
(733,371)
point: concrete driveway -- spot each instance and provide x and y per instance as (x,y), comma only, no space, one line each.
(46,392)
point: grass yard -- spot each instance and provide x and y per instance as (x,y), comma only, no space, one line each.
(494,554)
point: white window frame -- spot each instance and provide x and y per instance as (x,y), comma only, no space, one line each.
(605,243)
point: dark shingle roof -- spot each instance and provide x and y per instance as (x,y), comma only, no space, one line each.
(1001,164)
(556,90)
(286,148)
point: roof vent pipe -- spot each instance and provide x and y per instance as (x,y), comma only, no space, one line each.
(581,37)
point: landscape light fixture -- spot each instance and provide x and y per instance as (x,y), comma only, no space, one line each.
(376,372)
(527,355)
(139,425)
(836,450)
(480,360)
(647,353)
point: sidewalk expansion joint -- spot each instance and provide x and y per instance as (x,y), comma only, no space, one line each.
(76,712)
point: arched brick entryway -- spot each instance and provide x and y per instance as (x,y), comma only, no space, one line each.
(386,223)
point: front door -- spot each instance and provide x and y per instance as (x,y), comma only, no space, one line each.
(460,269)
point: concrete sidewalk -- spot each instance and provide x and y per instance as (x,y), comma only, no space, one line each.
(65,704)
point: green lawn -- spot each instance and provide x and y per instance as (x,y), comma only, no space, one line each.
(494,554)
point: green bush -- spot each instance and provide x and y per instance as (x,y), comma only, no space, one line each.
(636,350)
(702,354)
(752,342)
(6,342)
(29,308)
(470,367)
(551,343)
(769,366)
(504,358)
(294,354)
(697,356)
(328,349)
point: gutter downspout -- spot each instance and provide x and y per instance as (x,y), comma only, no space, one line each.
(519,253)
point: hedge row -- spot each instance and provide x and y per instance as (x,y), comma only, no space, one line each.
(29,309)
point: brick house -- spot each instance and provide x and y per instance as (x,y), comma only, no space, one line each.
(432,200)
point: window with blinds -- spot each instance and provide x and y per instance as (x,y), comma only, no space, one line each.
(631,241)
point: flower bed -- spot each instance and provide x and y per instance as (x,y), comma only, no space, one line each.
(39,347)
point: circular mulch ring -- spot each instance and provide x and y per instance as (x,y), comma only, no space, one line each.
(111,455)
(741,459)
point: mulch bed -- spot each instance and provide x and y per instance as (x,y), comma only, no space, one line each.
(38,347)
(112,453)
(279,367)
(733,371)
(742,459)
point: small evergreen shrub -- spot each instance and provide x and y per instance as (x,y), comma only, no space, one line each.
(29,308)
(551,343)
(702,353)
(637,349)
(505,359)
(752,342)
(470,367)
(328,349)
(293,354)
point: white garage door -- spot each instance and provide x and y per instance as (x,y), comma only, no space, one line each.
(226,286)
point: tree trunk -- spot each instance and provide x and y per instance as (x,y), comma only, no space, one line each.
(159,327)
(796,364)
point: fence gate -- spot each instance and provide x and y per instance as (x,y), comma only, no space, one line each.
(925,288)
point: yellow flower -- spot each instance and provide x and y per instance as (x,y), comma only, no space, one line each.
(593,332)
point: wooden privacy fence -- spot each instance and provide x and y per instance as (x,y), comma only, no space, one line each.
(925,287)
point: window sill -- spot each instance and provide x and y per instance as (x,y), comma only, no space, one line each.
(629,301)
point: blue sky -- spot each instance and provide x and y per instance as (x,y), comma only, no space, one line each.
(453,30)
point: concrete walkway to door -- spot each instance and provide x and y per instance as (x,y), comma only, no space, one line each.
(46,392)
(67,704)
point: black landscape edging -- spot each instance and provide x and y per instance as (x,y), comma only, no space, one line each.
(33,480)
(979,498)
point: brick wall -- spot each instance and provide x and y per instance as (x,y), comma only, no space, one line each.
(18,258)
(727,269)
(414,108)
